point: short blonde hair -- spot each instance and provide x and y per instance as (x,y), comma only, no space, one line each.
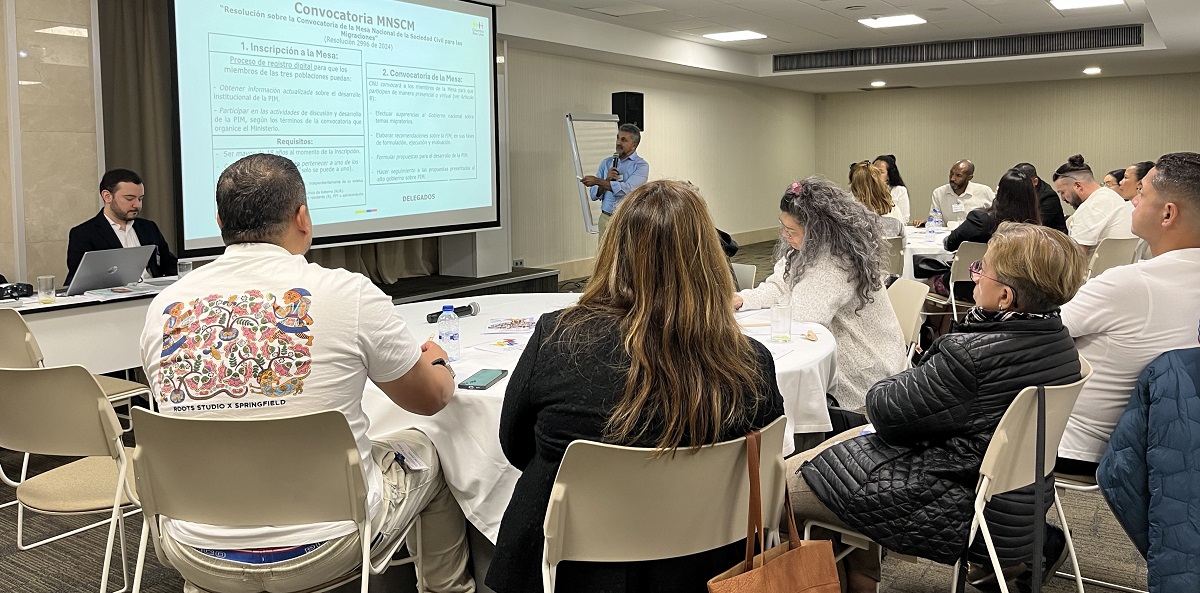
(1043,265)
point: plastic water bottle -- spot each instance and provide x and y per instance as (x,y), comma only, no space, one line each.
(448,332)
(937,218)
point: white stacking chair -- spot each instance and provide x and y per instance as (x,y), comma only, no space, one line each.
(896,256)
(745,275)
(1074,483)
(622,504)
(225,486)
(907,298)
(19,350)
(1111,253)
(1009,461)
(63,411)
(967,253)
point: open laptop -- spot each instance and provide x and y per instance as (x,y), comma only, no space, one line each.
(108,268)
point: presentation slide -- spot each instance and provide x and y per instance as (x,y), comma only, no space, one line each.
(387,107)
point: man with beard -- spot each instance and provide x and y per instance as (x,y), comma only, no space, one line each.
(1099,211)
(961,195)
(117,225)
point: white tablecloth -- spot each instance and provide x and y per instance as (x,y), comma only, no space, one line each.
(921,242)
(465,432)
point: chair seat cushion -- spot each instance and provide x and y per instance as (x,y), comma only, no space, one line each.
(1074,480)
(120,389)
(87,485)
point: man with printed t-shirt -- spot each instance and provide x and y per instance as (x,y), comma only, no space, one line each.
(278,336)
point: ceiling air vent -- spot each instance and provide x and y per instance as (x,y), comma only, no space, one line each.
(966,49)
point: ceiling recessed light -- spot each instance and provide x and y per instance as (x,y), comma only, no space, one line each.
(1091,70)
(735,36)
(878,83)
(1073,4)
(903,20)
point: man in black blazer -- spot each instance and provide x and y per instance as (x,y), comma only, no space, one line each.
(122,192)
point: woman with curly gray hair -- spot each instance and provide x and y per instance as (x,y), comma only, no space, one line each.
(830,256)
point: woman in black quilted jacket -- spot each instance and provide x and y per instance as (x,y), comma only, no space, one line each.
(910,485)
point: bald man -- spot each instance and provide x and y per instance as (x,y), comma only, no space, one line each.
(961,195)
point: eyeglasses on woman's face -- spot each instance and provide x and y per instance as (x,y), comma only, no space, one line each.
(976,270)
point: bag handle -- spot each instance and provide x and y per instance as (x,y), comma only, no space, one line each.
(754,521)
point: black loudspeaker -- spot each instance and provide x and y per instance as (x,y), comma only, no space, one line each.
(627,106)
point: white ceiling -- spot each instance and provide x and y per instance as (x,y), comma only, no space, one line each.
(1172,35)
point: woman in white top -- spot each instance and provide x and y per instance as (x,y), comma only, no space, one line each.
(830,257)
(885,164)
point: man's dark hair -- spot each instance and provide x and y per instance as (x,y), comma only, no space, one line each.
(110,180)
(1177,176)
(1075,168)
(632,130)
(1028,169)
(257,197)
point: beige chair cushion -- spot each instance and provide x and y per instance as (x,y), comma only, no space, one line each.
(120,389)
(87,485)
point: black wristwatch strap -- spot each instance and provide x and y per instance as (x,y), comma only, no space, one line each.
(442,361)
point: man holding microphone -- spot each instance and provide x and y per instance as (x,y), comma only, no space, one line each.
(619,174)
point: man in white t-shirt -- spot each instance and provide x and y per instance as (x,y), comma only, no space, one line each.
(961,195)
(261,333)
(1100,212)
(1127,316)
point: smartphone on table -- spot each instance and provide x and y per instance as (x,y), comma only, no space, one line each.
(483,379)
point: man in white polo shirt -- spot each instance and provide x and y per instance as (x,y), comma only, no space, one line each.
(961,195)
(1100,212)
(1127,316)
(261,333)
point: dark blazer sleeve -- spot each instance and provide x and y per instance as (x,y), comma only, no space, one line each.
(518,415)
(162,263)
(927,402)
(974,228)
(1052,212)
(83,238)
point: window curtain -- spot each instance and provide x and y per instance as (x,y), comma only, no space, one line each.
(135,55)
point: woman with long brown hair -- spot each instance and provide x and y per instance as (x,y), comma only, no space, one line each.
(651,356)
(869,189)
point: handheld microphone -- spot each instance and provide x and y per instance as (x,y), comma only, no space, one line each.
(471,308)
(617,159)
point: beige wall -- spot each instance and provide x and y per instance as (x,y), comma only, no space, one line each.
(742,144)
(55,146)
(1113,122)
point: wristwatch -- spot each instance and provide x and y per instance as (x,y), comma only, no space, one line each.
(442,361)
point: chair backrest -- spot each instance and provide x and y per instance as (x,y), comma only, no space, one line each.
(896,255)
(1010,457)
(907,297)
(57,411)
(618,504)
(279,471)
(18,348)
(968,252)
(1111,253)
(745,275)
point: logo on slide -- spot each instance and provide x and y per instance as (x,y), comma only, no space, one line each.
(478,28)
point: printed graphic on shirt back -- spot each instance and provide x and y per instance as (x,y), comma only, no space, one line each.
(239,345)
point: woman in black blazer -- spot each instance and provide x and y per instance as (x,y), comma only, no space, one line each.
(651,356)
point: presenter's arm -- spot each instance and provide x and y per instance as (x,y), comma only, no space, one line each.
(599,186)
(639,175)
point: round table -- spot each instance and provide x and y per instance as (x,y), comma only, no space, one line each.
(921,242)
(465,432)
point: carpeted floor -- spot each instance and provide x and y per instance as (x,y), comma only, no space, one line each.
(74,564)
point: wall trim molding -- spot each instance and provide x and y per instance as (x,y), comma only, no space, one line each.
(20,264)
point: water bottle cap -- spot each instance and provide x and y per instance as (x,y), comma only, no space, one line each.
(446,308)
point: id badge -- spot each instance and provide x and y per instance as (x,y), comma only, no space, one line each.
(958,207)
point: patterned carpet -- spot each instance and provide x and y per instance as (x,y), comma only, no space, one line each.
(74,564)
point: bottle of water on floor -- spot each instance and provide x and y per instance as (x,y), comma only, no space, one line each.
(448,332)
